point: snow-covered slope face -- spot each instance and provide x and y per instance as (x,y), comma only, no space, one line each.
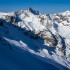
(45,37)
(62,26)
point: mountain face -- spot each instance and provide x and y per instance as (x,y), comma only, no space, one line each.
(29,40)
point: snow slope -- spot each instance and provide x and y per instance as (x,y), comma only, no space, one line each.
(15,48)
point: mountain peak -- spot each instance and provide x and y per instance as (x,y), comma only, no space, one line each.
(19,12)
(35,12)
(66,13)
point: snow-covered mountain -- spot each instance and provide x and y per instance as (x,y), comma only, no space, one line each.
(32,41)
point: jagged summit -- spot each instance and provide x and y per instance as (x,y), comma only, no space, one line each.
(33,11)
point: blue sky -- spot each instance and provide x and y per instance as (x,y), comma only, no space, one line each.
(44,6)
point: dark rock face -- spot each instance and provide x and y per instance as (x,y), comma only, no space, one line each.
(1,23)
(35,12)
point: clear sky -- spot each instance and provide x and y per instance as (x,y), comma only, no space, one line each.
(43,6)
